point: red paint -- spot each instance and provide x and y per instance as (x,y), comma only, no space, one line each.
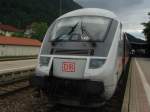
(68,67)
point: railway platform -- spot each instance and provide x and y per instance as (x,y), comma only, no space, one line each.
(11,66)
(17,63)
(137,93)
(12,70)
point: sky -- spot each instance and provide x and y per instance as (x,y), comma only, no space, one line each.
(131,12)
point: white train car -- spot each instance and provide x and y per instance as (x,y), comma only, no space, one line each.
(82,58)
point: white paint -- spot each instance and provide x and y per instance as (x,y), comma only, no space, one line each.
(144,82)
(91,12)
(106,73)
(72,56)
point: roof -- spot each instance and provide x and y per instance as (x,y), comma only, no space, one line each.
(9,28)
(19,41)
(90,12)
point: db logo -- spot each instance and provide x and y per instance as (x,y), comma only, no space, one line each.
(68,67)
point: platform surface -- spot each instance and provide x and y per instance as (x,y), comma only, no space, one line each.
(137,95)
(19,64)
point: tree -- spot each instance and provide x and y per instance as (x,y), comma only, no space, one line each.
(39,30)
(146,30)
(21,13)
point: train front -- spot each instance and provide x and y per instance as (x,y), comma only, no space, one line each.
(73,66)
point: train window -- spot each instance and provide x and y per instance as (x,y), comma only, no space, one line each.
(121,33)
(76,30)
(80,29)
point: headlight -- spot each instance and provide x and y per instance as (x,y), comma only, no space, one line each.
(44,61)
(96,63)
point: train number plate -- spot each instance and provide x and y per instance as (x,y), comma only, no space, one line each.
(68,67)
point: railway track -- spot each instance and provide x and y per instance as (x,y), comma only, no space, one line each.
(13,87)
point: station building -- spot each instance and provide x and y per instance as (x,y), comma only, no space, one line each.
(8,30)
(14,46)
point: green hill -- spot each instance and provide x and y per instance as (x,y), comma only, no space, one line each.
(133,39)
(21,13)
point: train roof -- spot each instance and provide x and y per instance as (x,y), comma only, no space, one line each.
(91,12)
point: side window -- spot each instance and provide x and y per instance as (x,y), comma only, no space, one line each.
(121,33)
(121,42)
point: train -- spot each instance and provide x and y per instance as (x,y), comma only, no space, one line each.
(82,57)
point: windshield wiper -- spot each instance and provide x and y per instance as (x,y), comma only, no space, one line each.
(73,28)
(70,32)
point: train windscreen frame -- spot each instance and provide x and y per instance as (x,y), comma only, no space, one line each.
(80,28)
(48,45)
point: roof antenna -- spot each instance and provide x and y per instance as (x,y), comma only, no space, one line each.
(60,7)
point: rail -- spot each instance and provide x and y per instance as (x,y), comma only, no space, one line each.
(11,88)
(15,79)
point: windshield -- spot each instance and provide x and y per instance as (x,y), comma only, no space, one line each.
(80,29)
